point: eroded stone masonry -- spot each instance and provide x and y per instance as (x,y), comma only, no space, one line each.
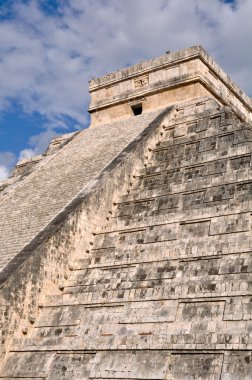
(142,268)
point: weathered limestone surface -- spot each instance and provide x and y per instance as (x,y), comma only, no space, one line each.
(128,251)
(32,203)
(162,289)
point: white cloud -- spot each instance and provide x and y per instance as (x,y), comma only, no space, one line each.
(47,60)
(3,172)
(26,153)
(40,141)
(7,160)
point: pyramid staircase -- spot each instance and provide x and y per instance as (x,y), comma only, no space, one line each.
(164,288)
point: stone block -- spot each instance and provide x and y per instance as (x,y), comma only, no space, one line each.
(27,364)
(130,365)
(194,366)
(75,366)
(237,365)
(230,224)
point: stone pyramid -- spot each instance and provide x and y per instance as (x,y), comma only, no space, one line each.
(126,248)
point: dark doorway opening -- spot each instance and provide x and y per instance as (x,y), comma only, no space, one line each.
(137,109)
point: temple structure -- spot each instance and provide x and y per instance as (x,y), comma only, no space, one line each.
(126,248)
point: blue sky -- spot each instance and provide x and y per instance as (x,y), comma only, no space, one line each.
(49,49)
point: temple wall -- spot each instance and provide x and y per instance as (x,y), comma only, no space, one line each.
(157,100)
(152,83)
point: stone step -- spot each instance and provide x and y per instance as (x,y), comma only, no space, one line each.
(131,364)
(228,263)
(239,262)
(158,251)
(228,169)
(206,197)
(228,133)
(156,288)
(204,228)
(201,320)
(185,134)
(147,218)
(190,155)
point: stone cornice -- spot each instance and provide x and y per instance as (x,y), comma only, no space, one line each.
(145,67)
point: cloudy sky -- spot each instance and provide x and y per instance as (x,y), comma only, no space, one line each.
(49,49)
